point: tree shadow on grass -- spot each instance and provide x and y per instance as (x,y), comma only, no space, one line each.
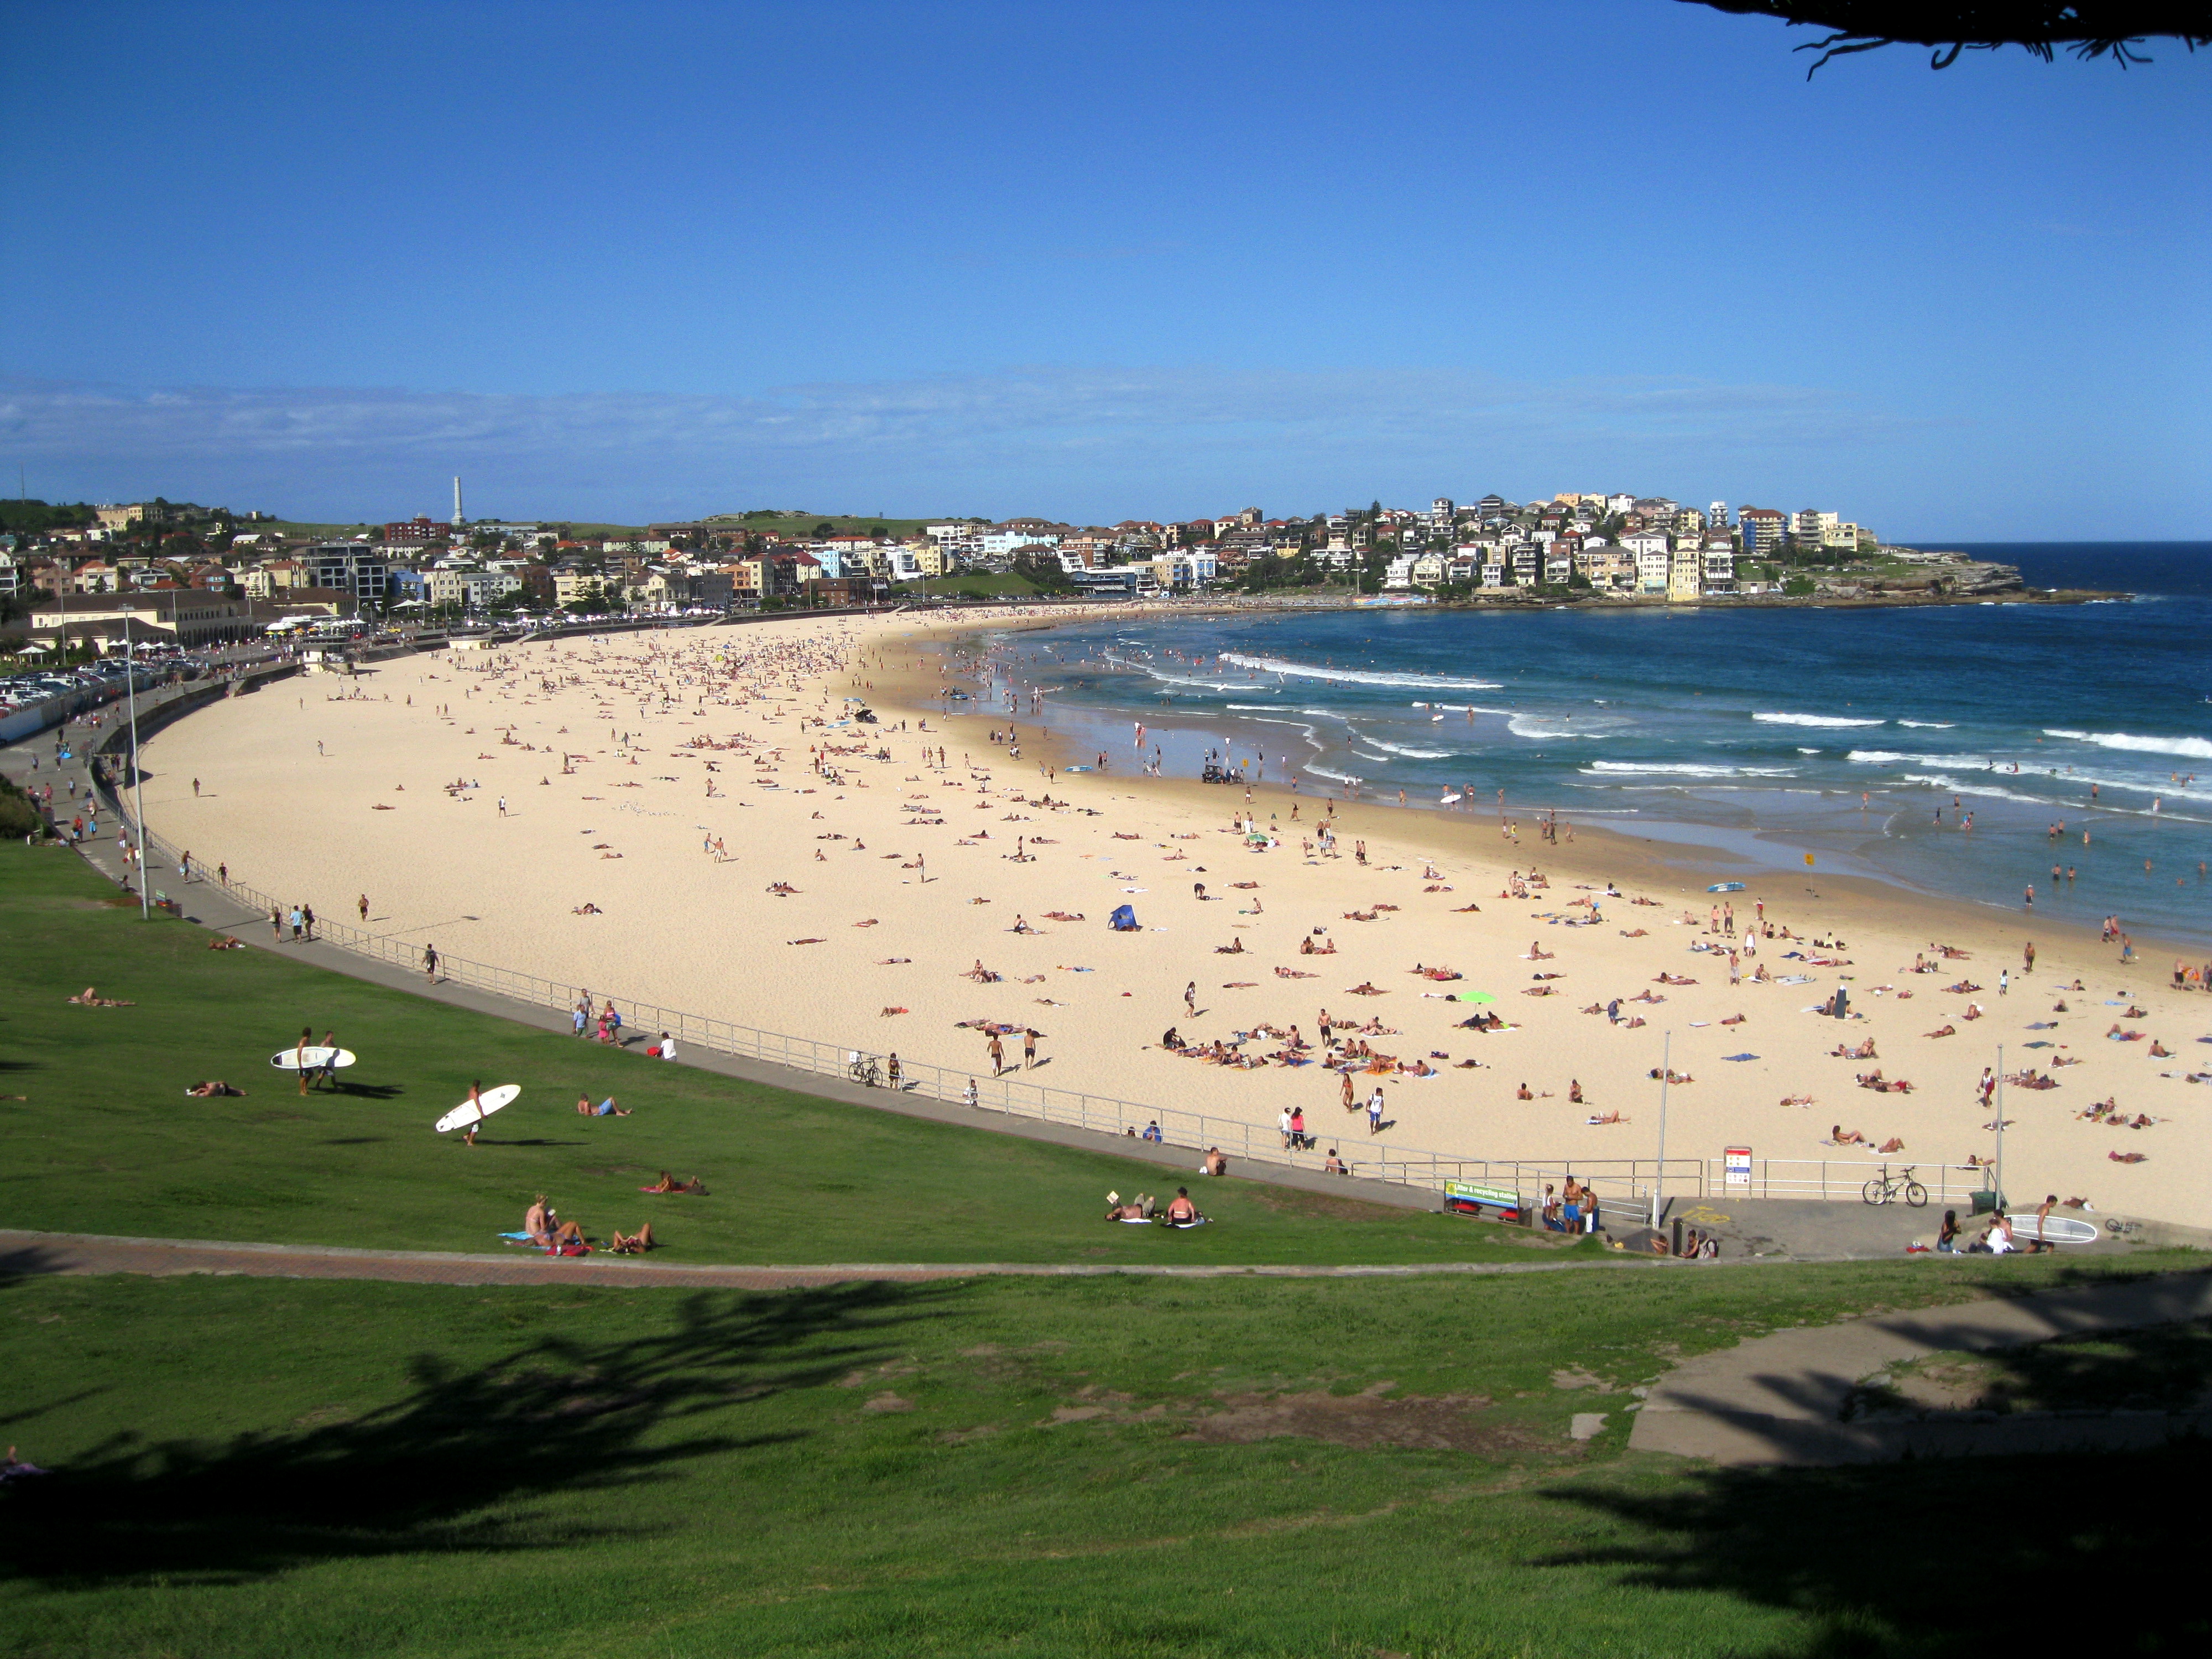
(557,1419)
(1928,1558)
(1938,1554)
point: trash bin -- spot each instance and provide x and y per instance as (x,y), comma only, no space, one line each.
(1987,1200)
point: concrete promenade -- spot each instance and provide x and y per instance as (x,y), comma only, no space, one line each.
(1782,1399)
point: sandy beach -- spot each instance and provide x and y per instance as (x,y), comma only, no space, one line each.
(632,805)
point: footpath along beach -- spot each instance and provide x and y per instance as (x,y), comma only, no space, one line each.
(679,817)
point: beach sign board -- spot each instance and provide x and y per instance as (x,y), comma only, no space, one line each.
(1735,1167)
(1472,1198)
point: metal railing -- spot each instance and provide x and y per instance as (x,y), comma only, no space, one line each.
(1839,1179)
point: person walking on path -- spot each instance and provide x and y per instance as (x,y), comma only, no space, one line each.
(307,920)
(294,918)
(430,971)
(276,925)
(580,1015)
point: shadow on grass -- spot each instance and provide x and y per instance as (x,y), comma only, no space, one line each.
(1939,1554)
(553,1420)
(1986,1555)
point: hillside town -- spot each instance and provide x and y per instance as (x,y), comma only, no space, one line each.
(194,576)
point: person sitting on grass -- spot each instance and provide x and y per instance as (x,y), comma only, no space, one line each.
(1181,1213)
(213,1086)
(548,1229)
(636,1244)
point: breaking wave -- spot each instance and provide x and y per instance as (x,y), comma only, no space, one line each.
(2188,748)
(1355,677)
(1816,719)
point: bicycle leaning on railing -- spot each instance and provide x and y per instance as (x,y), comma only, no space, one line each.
(1887,1189)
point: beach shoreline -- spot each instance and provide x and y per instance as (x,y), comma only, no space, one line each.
(869,953)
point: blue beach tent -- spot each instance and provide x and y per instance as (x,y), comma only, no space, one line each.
(1124,919)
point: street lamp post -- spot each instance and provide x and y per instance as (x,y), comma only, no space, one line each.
(137,784)
(2001,1197)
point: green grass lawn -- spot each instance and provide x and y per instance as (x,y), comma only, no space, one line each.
(106,1141)
(1020,1467)
(991,584)
(1080,1467)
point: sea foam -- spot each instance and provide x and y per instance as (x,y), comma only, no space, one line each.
(1682,769)
(1816,719)
(1310,672)
(2188,748)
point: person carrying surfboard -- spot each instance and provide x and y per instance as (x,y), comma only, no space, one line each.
(475,1099)
(300,1054)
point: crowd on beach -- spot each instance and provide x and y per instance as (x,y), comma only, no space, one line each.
(869,771)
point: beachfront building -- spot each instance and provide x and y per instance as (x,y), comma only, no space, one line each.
(173,617)
(1685,573)
(1760,532)
(1719,560)
(1606,569)
(353,567)
(1654,559)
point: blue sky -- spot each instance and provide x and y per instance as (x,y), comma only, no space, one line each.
(641,261)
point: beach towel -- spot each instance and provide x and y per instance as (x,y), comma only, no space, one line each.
(1739,1056)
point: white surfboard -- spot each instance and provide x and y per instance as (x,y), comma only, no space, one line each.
(465,1114)
(2055,1230)
(314,1055)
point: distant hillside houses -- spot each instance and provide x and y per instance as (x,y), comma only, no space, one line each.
(1618,544)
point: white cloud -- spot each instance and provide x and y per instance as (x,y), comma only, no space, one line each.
(1084,443)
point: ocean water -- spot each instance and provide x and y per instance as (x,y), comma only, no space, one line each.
(1938,748)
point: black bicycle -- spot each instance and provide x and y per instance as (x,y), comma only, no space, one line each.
(1887,1189)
